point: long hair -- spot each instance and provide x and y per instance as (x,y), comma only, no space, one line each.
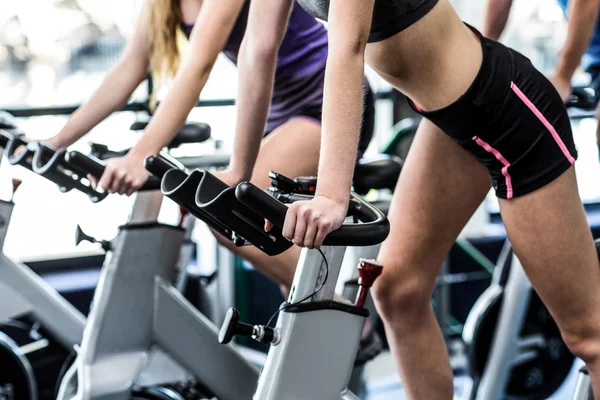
(164,37)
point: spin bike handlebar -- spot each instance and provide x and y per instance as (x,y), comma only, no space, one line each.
(47,162)
(11,142)
(157,166)
(239,212)
(68,170)
(89,165)
(374,229)
(582,98)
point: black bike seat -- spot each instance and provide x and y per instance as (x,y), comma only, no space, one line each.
(191,132)
(378,172)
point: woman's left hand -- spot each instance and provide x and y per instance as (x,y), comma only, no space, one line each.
(123,175)
(307,223)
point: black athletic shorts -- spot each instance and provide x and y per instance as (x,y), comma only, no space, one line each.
(512,120)
(368,117)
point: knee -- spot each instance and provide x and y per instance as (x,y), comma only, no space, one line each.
(584,345)
(401,298)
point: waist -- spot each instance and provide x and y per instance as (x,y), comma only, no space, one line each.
(434,60)
(481,103)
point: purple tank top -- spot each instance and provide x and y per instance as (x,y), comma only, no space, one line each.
(301,60)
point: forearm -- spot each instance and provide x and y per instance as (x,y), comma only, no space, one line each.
(342,111)
(583,16)
(256,76)
(112,94)
(173,111)
(496,16)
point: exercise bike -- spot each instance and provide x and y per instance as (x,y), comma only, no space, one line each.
(317,337)
(143,337)
(41,329)
(38,327)
(69,171)
(168,340)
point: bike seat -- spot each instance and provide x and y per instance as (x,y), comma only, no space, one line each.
(194,132)
(378,172)
(191,132)
(102,152)
(7,121)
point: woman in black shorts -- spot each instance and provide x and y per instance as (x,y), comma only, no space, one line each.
(488,112)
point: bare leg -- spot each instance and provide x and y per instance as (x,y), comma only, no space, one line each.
(293,150)
(550,235)
(440,187)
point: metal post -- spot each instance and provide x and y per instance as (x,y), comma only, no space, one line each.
(311,272)
(505,344)
(583,386)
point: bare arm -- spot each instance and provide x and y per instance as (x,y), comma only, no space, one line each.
(496,16)
(114,91)
(257,64)
(349,27)
(211,30)
(583,17)
(308,223)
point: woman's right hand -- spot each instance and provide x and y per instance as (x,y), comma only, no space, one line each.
(307,223)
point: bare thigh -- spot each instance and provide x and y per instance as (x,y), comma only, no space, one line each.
(550,235)
(292,150)
(440,187)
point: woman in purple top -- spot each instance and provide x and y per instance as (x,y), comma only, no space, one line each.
(212,26)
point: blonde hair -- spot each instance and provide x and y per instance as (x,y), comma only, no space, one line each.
(164,39)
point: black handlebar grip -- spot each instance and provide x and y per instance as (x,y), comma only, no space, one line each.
(158,166)
(94,167)
(264,205)
(374,231)
(90,165)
